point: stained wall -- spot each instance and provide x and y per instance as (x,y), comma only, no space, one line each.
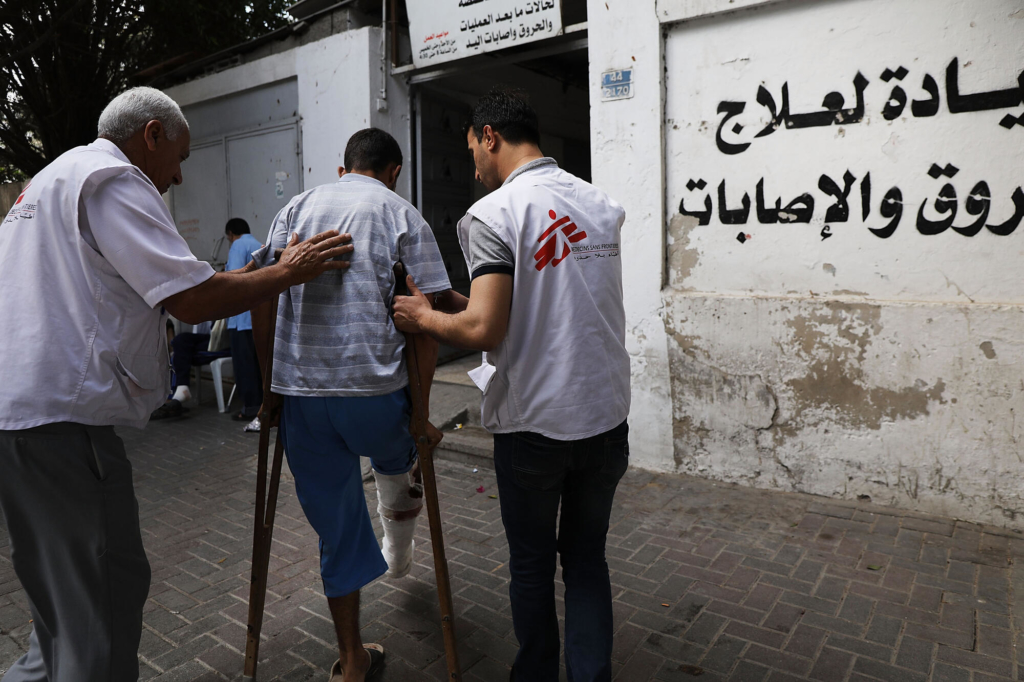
(823,243)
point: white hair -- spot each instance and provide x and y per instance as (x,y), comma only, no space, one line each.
(129,112)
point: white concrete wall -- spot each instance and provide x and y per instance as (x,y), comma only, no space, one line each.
(627,162)
(339,85)
(339,82)
(829,361)
(238,79)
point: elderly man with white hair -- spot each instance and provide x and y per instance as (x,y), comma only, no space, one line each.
(90,261)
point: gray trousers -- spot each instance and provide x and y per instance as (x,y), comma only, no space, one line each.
(67,496)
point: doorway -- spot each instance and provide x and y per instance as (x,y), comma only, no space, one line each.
(557,86)
(445,178)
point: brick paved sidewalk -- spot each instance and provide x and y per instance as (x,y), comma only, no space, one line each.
(710,581)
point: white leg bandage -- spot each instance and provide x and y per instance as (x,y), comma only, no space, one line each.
(399,502)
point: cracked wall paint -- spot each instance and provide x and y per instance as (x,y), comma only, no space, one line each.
(846,399)
(707,401)
(681,258)
(834,344)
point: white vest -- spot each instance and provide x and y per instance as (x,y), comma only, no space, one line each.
(77,343)
(562,370)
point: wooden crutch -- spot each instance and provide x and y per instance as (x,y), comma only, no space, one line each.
(264,318)
(418,428)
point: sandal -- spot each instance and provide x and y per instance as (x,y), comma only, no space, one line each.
(171,408)
(376,654)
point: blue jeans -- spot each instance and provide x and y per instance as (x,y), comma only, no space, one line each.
(535,475)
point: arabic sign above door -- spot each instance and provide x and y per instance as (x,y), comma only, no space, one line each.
(444,30)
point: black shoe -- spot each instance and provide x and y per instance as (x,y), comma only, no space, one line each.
(171,408)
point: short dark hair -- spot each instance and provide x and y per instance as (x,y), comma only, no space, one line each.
(372,149)
(509,114)
(237,226)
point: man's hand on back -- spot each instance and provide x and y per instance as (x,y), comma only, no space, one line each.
(309,259)
(227,294)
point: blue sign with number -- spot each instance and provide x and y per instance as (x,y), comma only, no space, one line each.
(616,85)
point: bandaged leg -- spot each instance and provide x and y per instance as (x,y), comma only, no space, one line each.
(399,502)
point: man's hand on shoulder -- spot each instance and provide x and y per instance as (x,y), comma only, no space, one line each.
(309,259)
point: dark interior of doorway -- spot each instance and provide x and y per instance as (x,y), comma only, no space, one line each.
(446,188)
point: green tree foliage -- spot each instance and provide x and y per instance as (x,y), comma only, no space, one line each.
(63,60)
(8,174)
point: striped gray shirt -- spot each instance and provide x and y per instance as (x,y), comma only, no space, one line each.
(335,336)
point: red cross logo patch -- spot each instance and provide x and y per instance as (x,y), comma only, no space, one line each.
(22,195)
(563,232)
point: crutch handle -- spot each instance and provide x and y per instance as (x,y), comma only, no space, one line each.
(401,286)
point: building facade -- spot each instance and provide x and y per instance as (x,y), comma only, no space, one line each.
(824,204)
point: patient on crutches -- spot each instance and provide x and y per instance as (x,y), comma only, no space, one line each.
(338,363)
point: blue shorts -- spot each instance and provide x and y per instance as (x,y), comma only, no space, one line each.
(324,439)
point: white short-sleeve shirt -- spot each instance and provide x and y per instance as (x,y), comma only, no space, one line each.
(86,257)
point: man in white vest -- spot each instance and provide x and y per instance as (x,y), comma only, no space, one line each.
(546,305)
(90,260)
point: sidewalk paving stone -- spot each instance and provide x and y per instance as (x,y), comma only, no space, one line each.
(710,581)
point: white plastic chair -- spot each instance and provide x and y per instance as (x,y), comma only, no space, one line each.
(218,384)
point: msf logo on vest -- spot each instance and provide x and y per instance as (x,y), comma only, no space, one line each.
(562,233)
(19,210)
